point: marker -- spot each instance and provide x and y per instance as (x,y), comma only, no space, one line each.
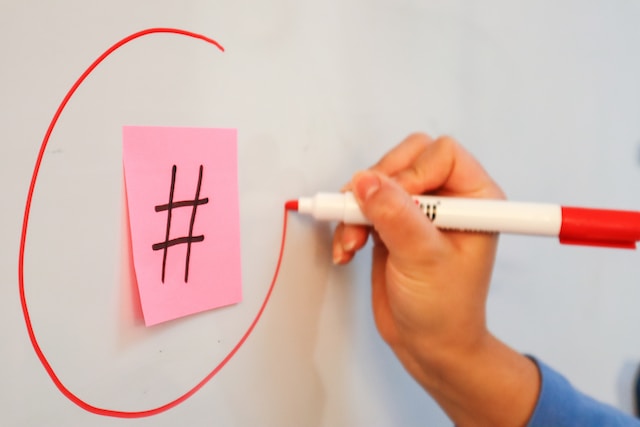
(572,225)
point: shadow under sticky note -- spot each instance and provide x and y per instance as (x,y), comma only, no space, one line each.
(182,196)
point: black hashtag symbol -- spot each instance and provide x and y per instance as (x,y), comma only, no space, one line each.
(190,238)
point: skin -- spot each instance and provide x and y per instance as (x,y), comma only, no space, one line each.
(429,287)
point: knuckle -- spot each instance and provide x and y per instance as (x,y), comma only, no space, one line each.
(447,143)
(394,212)
(417,171)
(419,138)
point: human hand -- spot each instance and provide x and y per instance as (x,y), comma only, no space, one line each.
(429,287)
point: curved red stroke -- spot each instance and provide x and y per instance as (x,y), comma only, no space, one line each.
(23,240)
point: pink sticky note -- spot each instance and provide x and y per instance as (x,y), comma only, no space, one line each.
(182,195)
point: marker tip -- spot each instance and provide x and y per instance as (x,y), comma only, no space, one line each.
(291,205)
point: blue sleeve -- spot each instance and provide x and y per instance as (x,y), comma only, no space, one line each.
(561,405)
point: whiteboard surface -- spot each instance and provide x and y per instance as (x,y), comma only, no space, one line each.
(544,93)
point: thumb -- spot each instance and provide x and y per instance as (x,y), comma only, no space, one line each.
(401,225)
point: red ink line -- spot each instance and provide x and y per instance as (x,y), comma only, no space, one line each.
(23,241)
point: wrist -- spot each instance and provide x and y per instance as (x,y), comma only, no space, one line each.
(486,383)
(440,361)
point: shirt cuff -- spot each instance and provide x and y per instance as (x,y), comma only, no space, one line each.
(561,405)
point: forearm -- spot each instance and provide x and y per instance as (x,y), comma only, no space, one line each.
(487,385)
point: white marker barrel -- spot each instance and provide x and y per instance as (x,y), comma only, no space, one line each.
(449,213)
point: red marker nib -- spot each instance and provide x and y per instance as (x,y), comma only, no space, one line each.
(291,205)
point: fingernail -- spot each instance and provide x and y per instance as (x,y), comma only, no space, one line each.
(338,254)
(365,185)
(349,246)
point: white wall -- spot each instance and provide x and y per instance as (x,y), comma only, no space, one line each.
(545,93)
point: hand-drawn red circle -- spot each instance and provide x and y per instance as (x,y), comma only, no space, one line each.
(23,239)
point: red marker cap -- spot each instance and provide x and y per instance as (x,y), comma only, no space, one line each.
(600,227)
